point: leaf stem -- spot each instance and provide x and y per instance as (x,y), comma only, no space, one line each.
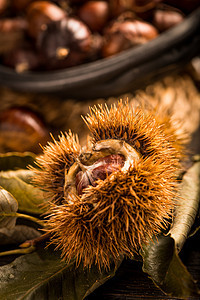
(18,251)
(31,218)
(35,241)
(24,216)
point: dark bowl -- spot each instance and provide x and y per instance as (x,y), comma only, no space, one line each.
(119,74)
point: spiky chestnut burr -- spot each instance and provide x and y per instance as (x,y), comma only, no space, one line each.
(107,198)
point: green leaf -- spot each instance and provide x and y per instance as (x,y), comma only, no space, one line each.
(23,174)
(8,205)
(29,197)
(42,275)
(187,206)
(15,160)
(162,263)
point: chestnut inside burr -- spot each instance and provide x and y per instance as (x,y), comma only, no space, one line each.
(101,169)
(97,161)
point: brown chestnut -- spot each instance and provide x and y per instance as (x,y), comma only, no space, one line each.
(95,14)
(65,43)
(101,169)
(22,59)
(21,130)
(41,13)
(122,35)
(3,5)
(166,17)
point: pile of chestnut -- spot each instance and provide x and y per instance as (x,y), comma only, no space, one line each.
(52,35)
